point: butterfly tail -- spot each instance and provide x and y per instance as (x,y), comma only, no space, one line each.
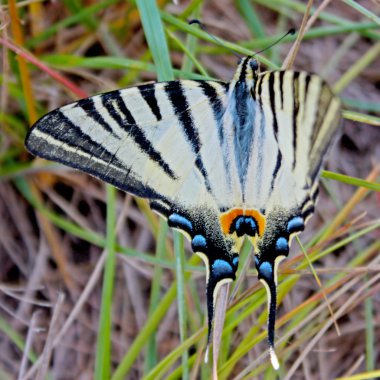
(272,306)
(221,272)
(210,299)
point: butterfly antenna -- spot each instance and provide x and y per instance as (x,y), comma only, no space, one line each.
(291,31)
(217,40)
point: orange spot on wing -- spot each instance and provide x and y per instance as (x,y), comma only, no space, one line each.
(228,217)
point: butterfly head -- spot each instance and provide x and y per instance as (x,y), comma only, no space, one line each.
(253,64)
(247,70)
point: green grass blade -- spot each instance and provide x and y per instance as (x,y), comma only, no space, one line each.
(192,29)
(361,105)
(103,345)
(75,7)
(351,180)
(69,21)
(251,17)
(182,317)
(189,55)
(149,327)
(357,68)
(15,338)
(191,10)
(369,334)
(364,11)
(151,350)
(66,60)
(189,59)
(155,36)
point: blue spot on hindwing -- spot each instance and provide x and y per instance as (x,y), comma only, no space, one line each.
(235,261)
(266,270)
(295,224)
(199,242)
(221,268)
(179,221)
(282,245)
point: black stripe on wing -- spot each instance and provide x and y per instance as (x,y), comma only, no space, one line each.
(88,106)
(216,104)
(307,83)
(87,155)
(272,98)
(276,170)
(57,125)
(281,86)
(147,91)
(218,109)
(118,110)
(296,106)
(182,110)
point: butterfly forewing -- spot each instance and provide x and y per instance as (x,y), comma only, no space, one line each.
(148,140)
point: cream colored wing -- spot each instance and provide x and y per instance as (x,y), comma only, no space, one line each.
(296,123)
(158,141)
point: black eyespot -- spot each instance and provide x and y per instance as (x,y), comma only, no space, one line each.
(244,225)
(222,269)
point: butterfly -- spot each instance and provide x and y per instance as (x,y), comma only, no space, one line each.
(221,161)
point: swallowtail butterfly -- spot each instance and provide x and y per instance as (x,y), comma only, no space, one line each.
(220,161)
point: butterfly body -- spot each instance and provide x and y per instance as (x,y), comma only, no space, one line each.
(220,161)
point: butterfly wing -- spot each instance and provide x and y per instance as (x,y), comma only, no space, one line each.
(163,142)
(152,141)
(296,123)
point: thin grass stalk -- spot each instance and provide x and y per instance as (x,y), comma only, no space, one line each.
(23,67)
(67,22)
(364,11)
(179,252)
(151,350)
(191,43)
(358,182)
(103,344)
(357,68)
(369,333)
(362,118)
(252,18)
(155,35)
(149,327)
